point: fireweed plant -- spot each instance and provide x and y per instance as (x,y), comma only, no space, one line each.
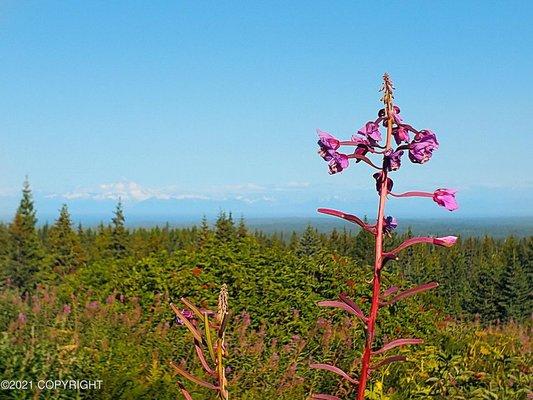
(368,141)
(214,344)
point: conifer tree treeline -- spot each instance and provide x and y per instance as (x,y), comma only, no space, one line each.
(25,252)
(486,278)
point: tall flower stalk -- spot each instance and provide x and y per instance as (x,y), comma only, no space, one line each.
(367,141)
(204,341)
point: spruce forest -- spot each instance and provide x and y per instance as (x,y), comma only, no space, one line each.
(93,303)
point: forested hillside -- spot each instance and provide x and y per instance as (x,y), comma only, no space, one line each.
(92,303)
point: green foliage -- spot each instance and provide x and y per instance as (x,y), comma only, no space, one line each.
(25,253)
(309,243)
(100,311)
(224,228)
(65,253)
(119,234)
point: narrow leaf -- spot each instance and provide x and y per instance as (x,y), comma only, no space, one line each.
(193,378)
(220,366)
(411,292)
(335,370)
(388,360)
(201,357)
(446,241)
(208,338)
(187,323)
(184,392)
(397,343)
(344,306)
(348,217)
(193,308)
(321,396)
(338,304)
(390,291)
(354,306)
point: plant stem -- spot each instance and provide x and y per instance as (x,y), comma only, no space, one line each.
(376,282)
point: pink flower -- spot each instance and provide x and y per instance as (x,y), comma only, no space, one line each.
(378,176)
(22,318)
(66,309)
(393,159)
(363,145)
(446,198)
(396,115)
(389,224)
(371,131)
(446,241)
(328,144)
(338,163)
(401,134)
(422,146)
(93,305)
(187,314)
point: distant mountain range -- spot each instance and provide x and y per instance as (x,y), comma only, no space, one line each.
(479,214)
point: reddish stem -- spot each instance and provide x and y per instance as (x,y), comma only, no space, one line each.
(412,194)
(376,282)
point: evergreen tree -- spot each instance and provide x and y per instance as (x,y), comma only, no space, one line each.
(26,252)
(309,242)
(334,242)
(293,241)
(485,296)
(65,249)
(204,233)
(242,231)
(364,247)
(119,234)
(515,300)
(224,227)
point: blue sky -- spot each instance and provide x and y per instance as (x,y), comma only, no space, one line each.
(218,102)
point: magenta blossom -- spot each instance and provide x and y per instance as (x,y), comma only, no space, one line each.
(187,314)
(371,131)
(393,159)
(396,115)
(93,305)
(401,134)
(378,176)
(327,140)
(389,224)
(66,309)
(422,146)
(446,198)
(328,144)
(446,241)
(338,163)
(22,318)
(361,151)
(363,145)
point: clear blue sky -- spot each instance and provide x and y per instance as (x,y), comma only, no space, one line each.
(219,101)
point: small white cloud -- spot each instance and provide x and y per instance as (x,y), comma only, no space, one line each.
(240,188)
(128,191)
(253,200)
